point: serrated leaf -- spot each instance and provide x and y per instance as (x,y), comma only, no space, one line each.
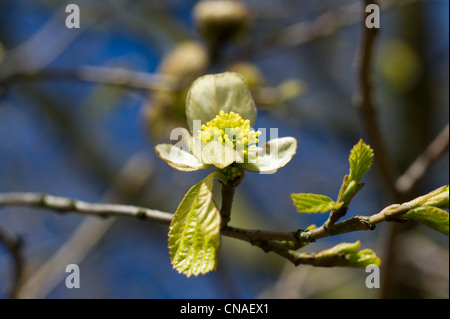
(272,156)
(313,203)
(361,159)
(212,93)
(432,217)
(179,159)
(194,234)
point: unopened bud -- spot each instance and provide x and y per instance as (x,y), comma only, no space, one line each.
(250,72)
(187,61)
(222,20)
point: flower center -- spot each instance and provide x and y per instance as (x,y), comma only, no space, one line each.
(231,129)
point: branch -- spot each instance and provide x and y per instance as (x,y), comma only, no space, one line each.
(43,47)
(364,101)
(302,238)
(417,170)
(326,24)
(14,245)
(66,205)
(103,75)
(282,243)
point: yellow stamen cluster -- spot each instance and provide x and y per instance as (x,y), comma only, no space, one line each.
(231,129)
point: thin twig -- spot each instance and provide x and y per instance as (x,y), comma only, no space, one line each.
(352,224)
(129,79)
(326,24)
(43,47)
(417,170)
(282,243)
(66,205)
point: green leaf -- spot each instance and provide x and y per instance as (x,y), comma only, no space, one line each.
(438,198)
(272,156)
(349,256)
(313,203)
(361,159)
(441,200)
(179,159)
(346,247)
(212,93)
(194,233)
(432,217)
(362,258)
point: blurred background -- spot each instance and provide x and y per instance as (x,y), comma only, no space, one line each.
(81,110)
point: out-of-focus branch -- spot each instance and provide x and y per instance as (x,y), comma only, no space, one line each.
(87,234)
(14,245)
(417,170)
(328,23)
(364,101)
(103,75)
(42,48)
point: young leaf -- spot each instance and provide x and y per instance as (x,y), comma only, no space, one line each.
(194,234)
(346,247)
(432,217)
(438,198)
(363,258)
(348,255)
(313,203)
(361,159)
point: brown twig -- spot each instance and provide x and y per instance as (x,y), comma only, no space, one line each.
(282,243)
(66,205)
(364,101)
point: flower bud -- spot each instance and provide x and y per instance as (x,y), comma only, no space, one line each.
(186,62)
(222,20)
(250,72)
